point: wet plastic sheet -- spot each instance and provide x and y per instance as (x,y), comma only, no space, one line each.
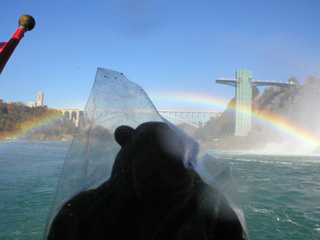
(115,101)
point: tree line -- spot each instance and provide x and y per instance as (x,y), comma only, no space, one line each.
(20,121)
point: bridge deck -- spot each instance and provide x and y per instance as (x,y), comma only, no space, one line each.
(271,83)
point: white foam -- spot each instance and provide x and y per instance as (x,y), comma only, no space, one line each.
(258,210)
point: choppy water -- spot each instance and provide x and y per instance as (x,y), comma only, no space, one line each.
(280,195)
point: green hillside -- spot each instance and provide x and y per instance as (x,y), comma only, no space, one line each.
(20,121)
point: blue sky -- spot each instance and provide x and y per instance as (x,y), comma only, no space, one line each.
(169,48)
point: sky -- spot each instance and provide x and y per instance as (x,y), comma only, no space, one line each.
(175,50)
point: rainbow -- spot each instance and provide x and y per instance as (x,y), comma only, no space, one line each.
(204,100)
(207,101)
(30,126)
(287,127)
(282,125)
(290,129)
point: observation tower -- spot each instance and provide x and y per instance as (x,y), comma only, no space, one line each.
(243,84)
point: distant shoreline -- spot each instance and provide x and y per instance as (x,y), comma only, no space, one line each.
(64,138)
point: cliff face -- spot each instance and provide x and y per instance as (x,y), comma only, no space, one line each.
(299,105)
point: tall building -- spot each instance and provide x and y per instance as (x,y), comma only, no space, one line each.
(40,99)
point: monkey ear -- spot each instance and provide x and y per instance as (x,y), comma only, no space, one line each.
(122,134)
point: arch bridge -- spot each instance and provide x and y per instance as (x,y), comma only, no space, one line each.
(73,114)
(193,118)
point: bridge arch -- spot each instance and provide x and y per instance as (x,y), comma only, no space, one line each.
(180,119)
(72,114)
(66,114)
(193,118)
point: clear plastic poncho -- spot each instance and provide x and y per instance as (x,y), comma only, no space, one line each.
(116,101)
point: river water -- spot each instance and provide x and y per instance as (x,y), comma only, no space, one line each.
(280,195)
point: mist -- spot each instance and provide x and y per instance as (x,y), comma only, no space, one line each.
(297,110)
(285,121)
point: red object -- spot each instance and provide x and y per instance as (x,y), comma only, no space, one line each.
(7,48)
(2,45)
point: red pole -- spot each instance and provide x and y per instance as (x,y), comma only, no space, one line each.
(26,23)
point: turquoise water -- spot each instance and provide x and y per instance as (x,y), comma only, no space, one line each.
(280,195)
(29,171)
